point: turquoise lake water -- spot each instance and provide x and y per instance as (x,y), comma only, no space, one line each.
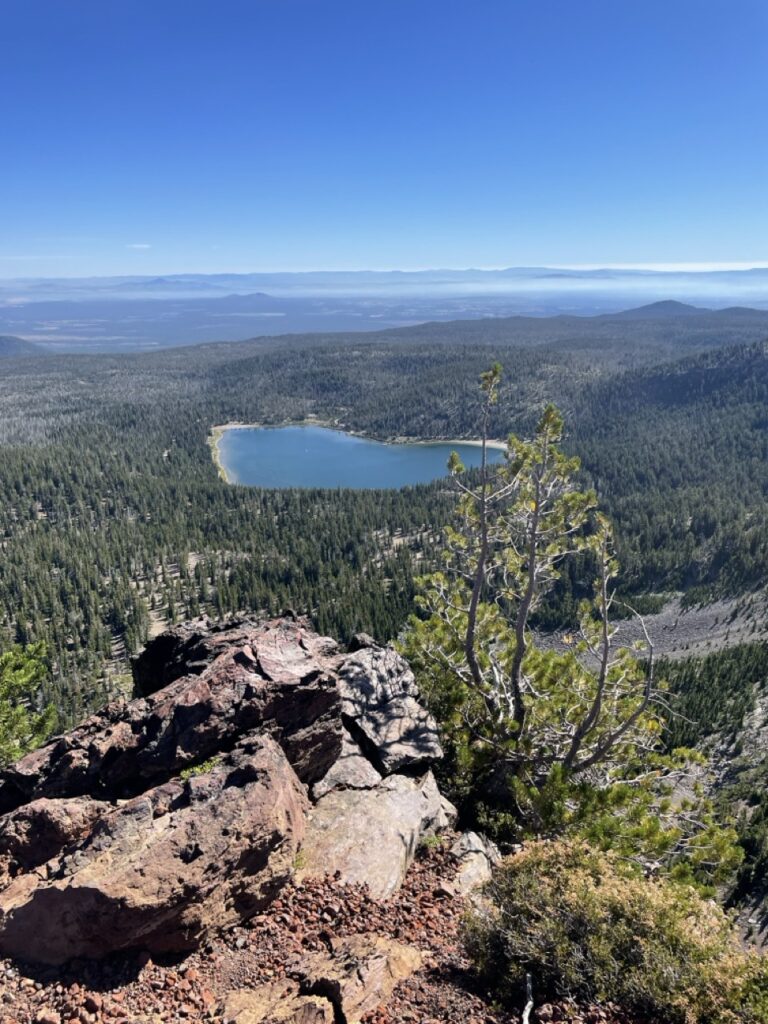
(308,456)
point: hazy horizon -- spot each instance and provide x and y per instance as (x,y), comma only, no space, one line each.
(130,313)
(703,267)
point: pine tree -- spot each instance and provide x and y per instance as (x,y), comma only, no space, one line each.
(547,739)
(22,726)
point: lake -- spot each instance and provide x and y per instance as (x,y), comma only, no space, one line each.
(310,456)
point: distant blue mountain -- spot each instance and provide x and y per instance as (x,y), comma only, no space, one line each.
(659,311)
(10,346)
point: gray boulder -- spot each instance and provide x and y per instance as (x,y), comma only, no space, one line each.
(381,709)
(370,836)
(477,856)
(351,771)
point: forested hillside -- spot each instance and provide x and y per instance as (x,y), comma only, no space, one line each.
(114,520)
(680,456)
(721,705)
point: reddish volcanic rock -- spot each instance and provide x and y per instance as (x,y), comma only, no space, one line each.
(160,874)
(129,746)
(35,832)
(300,923)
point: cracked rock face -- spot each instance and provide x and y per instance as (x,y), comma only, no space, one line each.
(356,976)
(359,973)
(352,770)
(280,1003)
(381,709)
(186,809)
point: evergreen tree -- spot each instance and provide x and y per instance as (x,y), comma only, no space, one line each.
(23,726)
(548,739)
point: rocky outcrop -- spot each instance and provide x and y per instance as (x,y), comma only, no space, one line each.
(244,688)
(255,963)
(185,810)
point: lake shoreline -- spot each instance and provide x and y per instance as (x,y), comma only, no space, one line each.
(218,431)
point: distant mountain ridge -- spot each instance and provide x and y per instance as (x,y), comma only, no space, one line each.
(129,321)
(671,308)
(655,310)
(11,346)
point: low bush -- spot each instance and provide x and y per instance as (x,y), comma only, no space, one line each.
(201,768)
(585,924)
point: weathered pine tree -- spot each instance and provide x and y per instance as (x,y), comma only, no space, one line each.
(549,735)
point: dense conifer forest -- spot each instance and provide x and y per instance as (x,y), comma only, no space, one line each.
(114,519)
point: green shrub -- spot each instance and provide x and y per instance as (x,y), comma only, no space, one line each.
(585,924)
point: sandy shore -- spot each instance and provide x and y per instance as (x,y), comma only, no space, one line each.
(473,442)
(214,440)
(219,429)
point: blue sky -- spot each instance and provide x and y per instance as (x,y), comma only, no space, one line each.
(162,136)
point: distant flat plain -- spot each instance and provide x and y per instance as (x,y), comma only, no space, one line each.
(142,313)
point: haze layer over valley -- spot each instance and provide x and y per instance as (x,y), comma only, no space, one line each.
(131,313)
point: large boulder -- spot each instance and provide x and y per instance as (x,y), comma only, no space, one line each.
(168,866)
(370,836)
(382,711)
